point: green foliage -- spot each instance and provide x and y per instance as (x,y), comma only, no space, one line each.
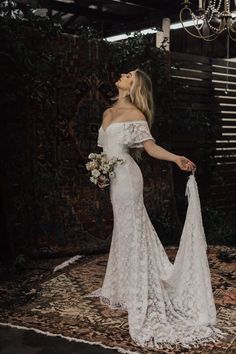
(29,73)
(87,33)
(26,71)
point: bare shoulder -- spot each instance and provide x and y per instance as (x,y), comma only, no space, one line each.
(137,114)
(107,113)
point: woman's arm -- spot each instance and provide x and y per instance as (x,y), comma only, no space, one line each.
(160,153)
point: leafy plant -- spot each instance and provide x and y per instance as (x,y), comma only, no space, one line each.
(29,74)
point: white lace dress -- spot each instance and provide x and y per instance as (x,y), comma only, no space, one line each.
(167,303)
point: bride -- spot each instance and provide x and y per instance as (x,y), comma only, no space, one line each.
(167,304)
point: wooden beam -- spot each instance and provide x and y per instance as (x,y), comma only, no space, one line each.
(149,5)
(70,21)
(167,8)
(75,8)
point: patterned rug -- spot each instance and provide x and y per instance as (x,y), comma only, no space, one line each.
(53,302)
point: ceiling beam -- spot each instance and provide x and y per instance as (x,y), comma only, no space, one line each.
(75,8)
(149,5)
(70,21)
(167,7)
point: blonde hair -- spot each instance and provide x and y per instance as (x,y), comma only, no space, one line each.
(141,95)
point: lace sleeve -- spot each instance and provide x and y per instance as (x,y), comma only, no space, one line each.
(136,133)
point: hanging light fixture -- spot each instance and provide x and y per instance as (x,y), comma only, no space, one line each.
(211,19)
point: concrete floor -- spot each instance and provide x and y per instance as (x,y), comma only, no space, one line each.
(19,341)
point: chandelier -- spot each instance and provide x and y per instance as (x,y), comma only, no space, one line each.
(211,19)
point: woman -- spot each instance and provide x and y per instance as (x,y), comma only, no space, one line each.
(167,303)
(135,101)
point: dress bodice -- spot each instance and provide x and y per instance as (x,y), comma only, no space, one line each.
(118,137)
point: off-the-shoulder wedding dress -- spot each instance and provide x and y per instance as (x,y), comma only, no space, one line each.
(167,304)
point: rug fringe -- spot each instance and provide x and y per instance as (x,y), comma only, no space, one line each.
(70,339)
(66,263)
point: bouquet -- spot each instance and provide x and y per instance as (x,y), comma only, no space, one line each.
(102,168)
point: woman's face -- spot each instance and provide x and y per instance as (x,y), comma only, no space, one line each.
(125,81)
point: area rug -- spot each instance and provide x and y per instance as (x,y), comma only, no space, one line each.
(53,302)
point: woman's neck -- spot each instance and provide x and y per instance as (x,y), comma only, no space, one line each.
(123,100)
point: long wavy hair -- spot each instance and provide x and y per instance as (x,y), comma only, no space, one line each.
(141,95)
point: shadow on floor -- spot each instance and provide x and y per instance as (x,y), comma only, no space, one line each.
(19,341)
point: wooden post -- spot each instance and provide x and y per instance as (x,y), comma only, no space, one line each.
(166,31)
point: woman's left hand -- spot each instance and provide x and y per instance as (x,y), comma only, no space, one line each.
(185,164)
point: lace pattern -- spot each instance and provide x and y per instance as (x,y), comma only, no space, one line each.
(167,304)
(136,133)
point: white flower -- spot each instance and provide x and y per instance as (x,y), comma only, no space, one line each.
(112,174)
(94,164)
(102,167)
(87,165)
(106,168)
(91,155)
(95,173)
(94,180)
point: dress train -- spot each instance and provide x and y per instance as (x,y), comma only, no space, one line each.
(175,304)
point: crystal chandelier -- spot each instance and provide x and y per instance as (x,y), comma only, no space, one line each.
(211,19)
